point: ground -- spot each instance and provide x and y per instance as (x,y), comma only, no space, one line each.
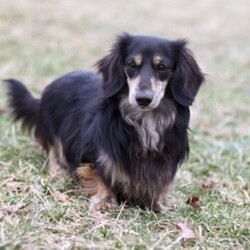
(40,40)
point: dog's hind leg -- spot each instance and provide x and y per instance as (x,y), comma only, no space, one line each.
(53,164)
(101,197)
(55,167)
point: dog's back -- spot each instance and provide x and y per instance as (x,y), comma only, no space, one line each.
(61,109)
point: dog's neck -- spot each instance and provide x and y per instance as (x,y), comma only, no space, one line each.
(150,125)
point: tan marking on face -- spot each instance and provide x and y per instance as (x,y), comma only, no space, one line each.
(133,85)
(138,60)
(158,88)
(157,59)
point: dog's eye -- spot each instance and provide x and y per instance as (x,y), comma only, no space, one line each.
(132,66)
(161,67)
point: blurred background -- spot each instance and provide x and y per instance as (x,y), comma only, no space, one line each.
(41,40)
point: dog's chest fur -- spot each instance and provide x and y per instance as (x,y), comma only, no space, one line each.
(150,125)
(146,175)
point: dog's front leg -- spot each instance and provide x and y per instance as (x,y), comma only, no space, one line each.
(101,196)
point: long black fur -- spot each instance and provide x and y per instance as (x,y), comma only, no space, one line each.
(82,110)
(24,105)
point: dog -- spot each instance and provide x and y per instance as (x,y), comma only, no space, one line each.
(123,131)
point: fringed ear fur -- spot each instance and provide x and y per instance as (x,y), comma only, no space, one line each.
(187,77)
(111,66)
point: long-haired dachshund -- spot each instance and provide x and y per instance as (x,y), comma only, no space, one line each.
(124,131)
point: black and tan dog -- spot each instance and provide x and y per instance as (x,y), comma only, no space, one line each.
(123,131)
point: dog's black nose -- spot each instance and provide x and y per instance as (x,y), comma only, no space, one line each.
(144,99)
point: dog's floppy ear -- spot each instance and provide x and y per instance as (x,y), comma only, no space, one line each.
(112,66)
(187,77)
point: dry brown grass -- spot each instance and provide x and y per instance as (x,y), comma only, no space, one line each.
(41,40)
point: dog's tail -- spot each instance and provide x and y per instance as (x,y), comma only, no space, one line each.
(23,105)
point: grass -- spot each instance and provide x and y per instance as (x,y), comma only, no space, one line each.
(41,40)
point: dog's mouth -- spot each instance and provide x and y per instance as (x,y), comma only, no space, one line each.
(145,109)
(146,105)
(130,103)
(142,103)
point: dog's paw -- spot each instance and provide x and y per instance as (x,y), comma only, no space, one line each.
(106,206)
(103,203)
(159,207)
(156,207)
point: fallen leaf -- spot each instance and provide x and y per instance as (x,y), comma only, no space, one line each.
(59,196)
(10,209)
(194,202)
(186,232)
(209,184)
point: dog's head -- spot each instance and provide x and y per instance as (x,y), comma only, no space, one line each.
(148,66)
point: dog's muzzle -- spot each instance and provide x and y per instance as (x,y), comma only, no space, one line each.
(144,98)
